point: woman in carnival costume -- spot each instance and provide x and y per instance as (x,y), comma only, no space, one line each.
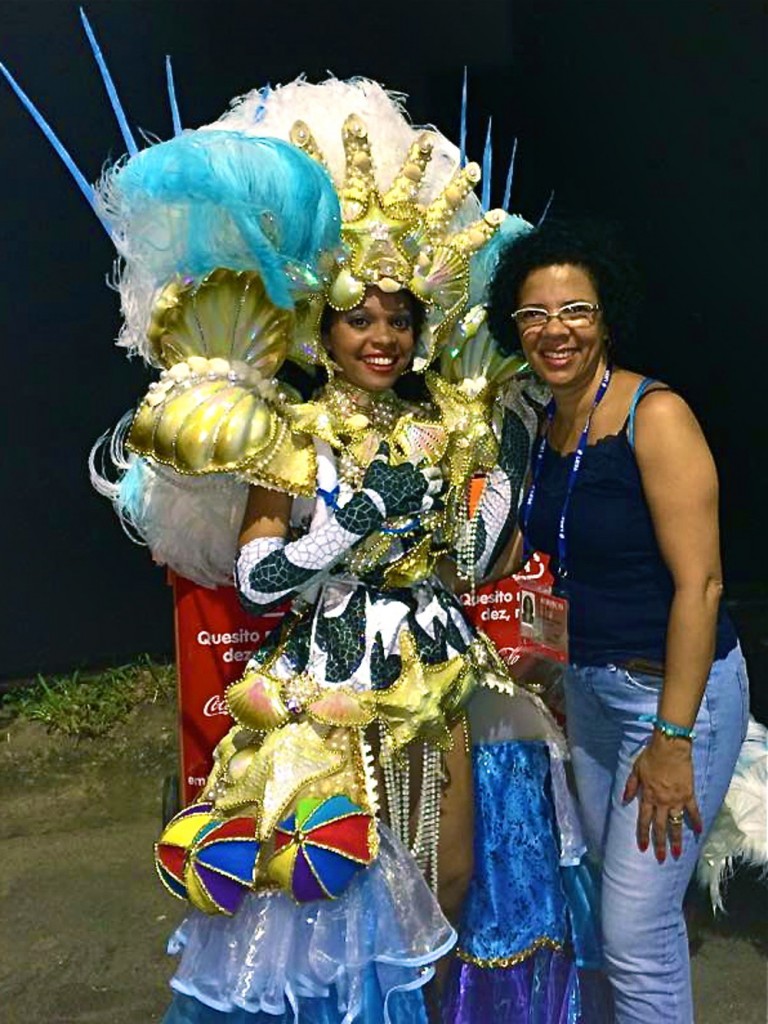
(338,814)
(377,659)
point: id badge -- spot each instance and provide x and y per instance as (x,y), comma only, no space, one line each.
(539,655)
(544,623)
(527,623)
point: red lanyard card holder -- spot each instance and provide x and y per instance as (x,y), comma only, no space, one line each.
(527,623)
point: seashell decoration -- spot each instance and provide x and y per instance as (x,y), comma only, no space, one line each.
(216,408)
(227,315)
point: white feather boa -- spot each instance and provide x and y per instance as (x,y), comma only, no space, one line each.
(740,832)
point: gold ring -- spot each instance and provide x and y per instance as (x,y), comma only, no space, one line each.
(676,819)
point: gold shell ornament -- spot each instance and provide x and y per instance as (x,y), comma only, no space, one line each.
(422,442)
(468,421)
(226,315)
(255,701)
(215,408)
(473,360)
(395,242)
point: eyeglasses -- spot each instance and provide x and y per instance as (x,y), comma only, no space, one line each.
(572,314)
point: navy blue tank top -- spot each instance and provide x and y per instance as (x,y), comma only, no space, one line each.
(618,586)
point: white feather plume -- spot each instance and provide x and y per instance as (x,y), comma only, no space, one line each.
(190,524)
(740,832)
(325,106)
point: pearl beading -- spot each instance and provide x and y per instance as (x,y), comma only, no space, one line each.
(424,847)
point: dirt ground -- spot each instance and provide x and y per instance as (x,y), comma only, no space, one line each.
(84,919)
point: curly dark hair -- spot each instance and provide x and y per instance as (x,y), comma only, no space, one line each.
(593,245)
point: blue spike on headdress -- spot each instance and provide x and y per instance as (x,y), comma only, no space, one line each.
(114,99)
(58,146)
(261,108)
(172,96)
(463,128)
(510,176)
(485,200)
(546,209)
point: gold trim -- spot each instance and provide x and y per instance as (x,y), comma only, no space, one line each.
(510,961)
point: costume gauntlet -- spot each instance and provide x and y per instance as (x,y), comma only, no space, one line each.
(268,571)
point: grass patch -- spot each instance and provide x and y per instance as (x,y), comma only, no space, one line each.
(90,704)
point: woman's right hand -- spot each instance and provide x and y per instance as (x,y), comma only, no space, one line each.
(402,490)
(662,779)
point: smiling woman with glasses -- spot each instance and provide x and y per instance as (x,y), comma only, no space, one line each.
(622,496)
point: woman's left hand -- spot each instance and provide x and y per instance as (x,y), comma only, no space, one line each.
(662,776)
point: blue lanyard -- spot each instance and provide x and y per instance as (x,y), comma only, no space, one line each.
(536,473)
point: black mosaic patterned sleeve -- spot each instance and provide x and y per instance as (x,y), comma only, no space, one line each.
(503,493)
(268,571)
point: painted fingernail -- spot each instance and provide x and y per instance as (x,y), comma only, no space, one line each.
(676,850)
(643,845)
(661,856)
(697,828)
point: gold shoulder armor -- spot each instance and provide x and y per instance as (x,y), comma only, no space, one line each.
(216,408)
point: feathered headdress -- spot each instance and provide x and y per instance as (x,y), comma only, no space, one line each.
(409,216)
(234,236)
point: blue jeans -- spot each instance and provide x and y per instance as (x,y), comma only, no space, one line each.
(645,946)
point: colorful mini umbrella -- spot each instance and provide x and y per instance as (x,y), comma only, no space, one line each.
(210,862)
(171,849)
(320,848)
(221,865)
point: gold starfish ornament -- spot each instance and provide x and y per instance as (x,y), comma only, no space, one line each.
(394,241)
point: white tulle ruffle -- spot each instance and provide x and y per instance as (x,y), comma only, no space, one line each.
(274,951)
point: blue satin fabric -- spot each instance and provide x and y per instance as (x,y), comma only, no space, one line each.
(403,1008)
(582,891)
(516,894)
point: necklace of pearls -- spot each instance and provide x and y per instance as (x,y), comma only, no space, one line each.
(356,413)
(397,788)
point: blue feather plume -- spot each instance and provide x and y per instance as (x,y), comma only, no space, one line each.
(175,117)
(545,211)
(510,176)
(63,153)
(211,199)
(485,200)
(463,127)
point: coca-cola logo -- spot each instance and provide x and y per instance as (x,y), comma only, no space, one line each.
(214,706)
(534,569)
(510,654)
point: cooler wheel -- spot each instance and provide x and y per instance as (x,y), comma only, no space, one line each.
(171,797)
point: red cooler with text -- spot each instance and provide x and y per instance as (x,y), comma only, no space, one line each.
(215,636)
(526,621)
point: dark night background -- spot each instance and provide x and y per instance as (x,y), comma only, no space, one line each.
(649,112)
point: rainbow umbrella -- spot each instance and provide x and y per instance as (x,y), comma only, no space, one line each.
(171,849)
(320,848)
(210,862)
(221,865)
